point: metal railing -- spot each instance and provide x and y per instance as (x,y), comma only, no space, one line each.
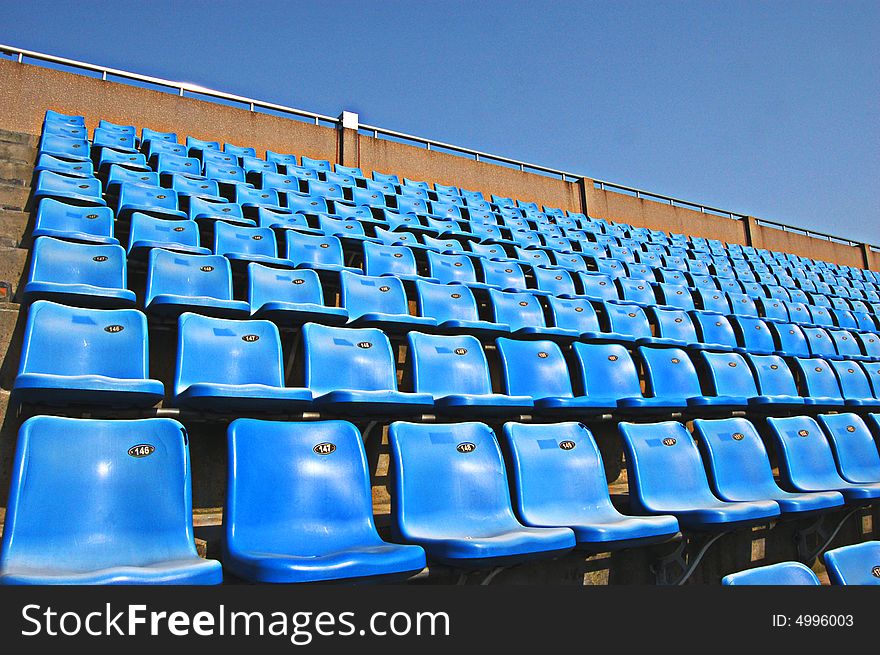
(256,105)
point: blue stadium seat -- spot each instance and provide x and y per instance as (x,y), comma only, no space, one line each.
(242,245)
(854,447)
(608,377)
(846,345)
(671,379)
(820,342)
(281,158)
(453,269)
(75,168)
(70,519)
(666,476)
(84,191)
(74,356)
(789,339)
(74,223)
(118,175)
(710,300)
(783,573)
(558,479)
(629,324)
(453,369)
(64,147)
(317,164)
(231,366)
(728,374)
(855,387)
(753,334)
(80,274)
(739,468)
(154,201)
(178,283)
(351,370)
(715,330)
(319,252)
(575,315)
(312,478)
(289,298)
(870,344)
(538,370)
(167,164)
(148,232)
(391,261)
(378,302)
(57,118)
(451,497)
(817,382)
(858,564)
(454,309)
(554,281)
(598,286)
(771,309)
(806,460)
(506,275)
(207,211)
(525,316)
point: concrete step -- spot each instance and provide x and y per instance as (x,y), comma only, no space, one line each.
(14,197)
(13,228)
(12,266)
(19,137)
(18,152)
(16,173)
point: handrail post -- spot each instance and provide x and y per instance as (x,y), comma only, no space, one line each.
(347,139)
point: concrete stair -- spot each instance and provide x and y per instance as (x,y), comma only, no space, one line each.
(18,153)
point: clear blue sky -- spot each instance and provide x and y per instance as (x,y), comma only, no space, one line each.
(765,108)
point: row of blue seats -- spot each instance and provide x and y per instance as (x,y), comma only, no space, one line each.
(95,275)
(857,564)
(455,501)
(95,225)
(705,245)
(74,356)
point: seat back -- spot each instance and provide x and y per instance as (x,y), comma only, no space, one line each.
(783,573)
(363,294)
(507,275)
(858,564)
(628,320)
(347,359)
(282,470)
(773,375)
(817,378)
(790,339)
(536,369)
(736,459)
(313,249)
(555,281)
(598,286)
(161,231)
(188,275)
(663,467)
(669,373)
(238,240)
(66,262)
(447,477)
(714,328)
(451,268)
(805,457)
(380,259)
(445,302)
(221,351)
(753,334)
(854,447)
(120,497)
(518,310)
(575,314)
(634,290)
(819,341)
(727,374)
(853,380)
(448,365)
(62,340)
(606,371)
(676,295)
(556,473)
(673,324)
(266,284)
